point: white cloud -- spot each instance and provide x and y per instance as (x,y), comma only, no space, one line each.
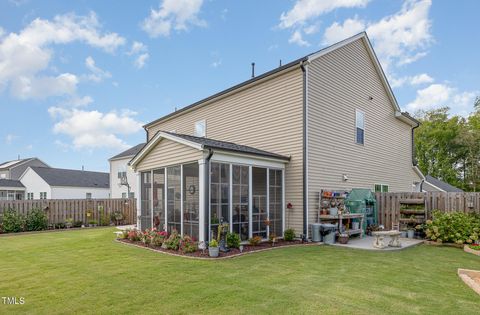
(418,79)
(77,101)
(9,138)
(337,32)
(297,38)
(178,15)
(305,10)
(216,63)
(93,129)
(40,87)
(137,47)
(438,95)
(24,55)
(97,74)
(141,60)
(404,36)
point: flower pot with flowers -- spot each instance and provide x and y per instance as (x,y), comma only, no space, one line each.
(213,248)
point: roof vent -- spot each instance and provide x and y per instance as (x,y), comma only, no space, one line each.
(253,69)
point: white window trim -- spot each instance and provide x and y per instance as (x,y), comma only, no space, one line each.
(380,184)
(364,126)
(204,122)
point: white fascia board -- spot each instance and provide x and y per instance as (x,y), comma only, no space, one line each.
(12,188)
(159,136)
(419,172)
(405,119)
(237,158)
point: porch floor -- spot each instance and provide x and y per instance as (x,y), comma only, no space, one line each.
(367,243)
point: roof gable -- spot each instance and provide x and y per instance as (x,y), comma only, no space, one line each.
(441,185)
(129,153)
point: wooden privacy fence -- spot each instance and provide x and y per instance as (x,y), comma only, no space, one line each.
(389,204)
(85,210)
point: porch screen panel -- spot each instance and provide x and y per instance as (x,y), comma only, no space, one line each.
(146,201)
(276,211)
(240,201)
(259,207)
(190,200)
(174,198)
(219,196)
(159,199)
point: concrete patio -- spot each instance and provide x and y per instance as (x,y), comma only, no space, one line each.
(367,243)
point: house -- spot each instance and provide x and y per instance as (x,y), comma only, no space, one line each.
(122,176)
(10,187)
(433,184)
(14,169)
(57,183)
(257,155)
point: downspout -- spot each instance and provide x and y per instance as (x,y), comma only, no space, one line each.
(414,160)
(207,192)
(305,212)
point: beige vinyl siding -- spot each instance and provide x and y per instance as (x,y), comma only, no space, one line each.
(339,83)
(268,116)
(168,152)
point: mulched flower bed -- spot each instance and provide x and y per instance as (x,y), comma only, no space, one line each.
(247,249)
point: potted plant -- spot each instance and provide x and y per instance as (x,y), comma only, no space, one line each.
(411,227)
(92,223)
(213,248)
(343,238)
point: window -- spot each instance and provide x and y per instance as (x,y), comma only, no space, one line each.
(190,200)
(88,195)
(124,195)
(381,188)
(174,199)
(276,202)
(146,204)
(219,195)
(359,127)
(200,128)
(30,196)
(158,199)
(132,195)
(122,174)
(240,187)
(43,195)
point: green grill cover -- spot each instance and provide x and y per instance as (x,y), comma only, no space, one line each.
(362,200)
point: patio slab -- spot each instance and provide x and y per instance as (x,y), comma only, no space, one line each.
(367,243)
(471,278)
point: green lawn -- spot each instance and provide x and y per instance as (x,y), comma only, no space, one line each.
(86,272)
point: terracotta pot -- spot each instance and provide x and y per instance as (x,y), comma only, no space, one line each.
(343,239)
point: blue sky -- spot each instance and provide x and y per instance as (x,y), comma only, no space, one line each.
(79,79)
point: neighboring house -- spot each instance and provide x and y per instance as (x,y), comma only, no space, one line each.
(56,183)
(433,184)
(11,189)
(120,170)
(14,169)
(265,148)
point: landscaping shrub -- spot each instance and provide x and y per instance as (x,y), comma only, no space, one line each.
(146,237)
(188,244)
(133,235)
(173,241)
(12,221)
(159,238)
(455,227)
(289,235)
(233,240)
(104,219)
(36,220)
(254,241)
(77,224)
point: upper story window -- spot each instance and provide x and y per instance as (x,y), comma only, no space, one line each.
(122,172)
(381,188)
(43,195)
(88,195)
(359,127)
(200,128)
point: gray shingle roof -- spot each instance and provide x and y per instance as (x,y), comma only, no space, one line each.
(441,184)
(228,146)
(73,178)
(11,183)
(130,152)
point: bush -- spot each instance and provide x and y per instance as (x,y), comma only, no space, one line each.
(455,227)
(77,224)
(173,241)
(254,241)
(159,238)
(213,243)
(289,235)
(133,235)
(104,219)
(36,220)
(61,225)
(12,221)
(233,240)
(188,244)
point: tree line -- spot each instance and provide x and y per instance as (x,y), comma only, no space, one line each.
(448,146)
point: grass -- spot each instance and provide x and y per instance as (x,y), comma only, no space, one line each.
(86,272)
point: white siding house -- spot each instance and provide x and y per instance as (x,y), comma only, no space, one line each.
(55,183)
(119,168)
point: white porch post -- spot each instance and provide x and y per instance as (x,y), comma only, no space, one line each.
(230,196)
(250,202)
(268,201)
(283,202)
(181,199)
(202,211)
(166,201)
(139,199)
